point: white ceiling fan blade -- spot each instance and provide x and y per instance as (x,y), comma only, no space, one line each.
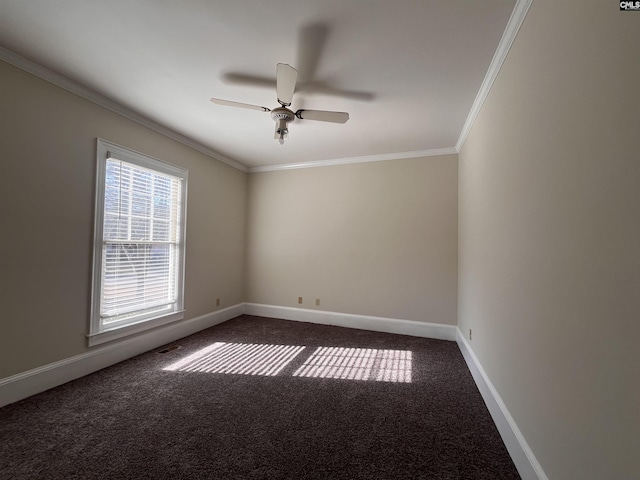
(323,116)
(229,103)
(286,77)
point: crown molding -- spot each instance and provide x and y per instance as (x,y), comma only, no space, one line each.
(515,21)
(364,159)
(83,92)
(513,26)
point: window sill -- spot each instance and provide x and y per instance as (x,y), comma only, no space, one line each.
(126,330)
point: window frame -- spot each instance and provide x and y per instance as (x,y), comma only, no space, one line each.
(98,332)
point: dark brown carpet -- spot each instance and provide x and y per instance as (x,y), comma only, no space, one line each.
(135,420)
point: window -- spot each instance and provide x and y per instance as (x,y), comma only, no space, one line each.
(139,243)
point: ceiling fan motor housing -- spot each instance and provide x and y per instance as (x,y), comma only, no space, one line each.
(282,116)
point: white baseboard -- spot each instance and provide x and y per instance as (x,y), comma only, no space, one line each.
(25,384)
(363,322)
(521,454)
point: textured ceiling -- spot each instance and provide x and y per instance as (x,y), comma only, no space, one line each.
(407,71)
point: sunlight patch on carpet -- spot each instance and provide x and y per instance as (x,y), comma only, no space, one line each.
(358,364)
(238,358)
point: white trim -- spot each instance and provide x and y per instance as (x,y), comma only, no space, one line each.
(521,454)
(25,384)
(98,332)
(349,160)
(349,320)
(105,336)
(106,149)
(83,92)
(513,25)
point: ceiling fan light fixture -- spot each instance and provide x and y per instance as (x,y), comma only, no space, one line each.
(281,126)
(282,117)
(282,131)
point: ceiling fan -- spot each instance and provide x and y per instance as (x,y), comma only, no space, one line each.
(286,77)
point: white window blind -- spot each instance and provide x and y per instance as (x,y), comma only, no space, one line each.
(141,228)
(141,240)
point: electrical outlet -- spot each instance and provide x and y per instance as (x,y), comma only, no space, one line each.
(217,302)
(317,302)
(299,299)
(469,334)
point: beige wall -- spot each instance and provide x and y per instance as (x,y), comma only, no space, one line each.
(372,238)
(549,276)
(48,142)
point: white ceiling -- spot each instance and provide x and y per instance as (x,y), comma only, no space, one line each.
(407,71)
